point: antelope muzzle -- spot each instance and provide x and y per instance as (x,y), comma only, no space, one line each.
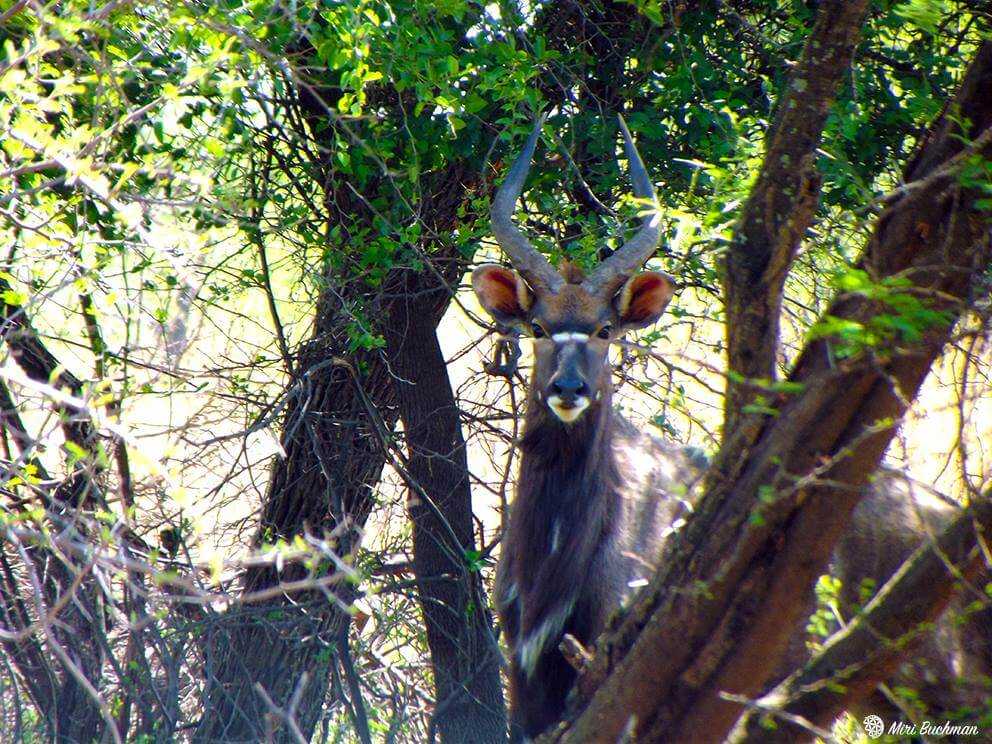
(571,389)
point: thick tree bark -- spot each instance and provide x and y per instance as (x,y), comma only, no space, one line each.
(322,483)
(333,456)
(465,655)
(731,587)
(782,205)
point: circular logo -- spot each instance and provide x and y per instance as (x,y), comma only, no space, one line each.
(874,726)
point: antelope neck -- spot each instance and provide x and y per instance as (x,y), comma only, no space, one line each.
(566,487)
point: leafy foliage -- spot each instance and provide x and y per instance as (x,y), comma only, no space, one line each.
(188,190)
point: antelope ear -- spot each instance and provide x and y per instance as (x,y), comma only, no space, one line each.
(503,293)
(643,299)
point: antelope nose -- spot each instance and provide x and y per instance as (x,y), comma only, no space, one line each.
(569,388)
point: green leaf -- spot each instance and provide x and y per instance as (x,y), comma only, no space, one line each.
(924,14)
(14,298)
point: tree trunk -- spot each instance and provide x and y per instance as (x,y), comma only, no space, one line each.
(323,482)
(340,407)
(71,645)
(732,586)
(782,205)
(465,655)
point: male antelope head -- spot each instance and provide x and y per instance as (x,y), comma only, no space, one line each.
(572,318)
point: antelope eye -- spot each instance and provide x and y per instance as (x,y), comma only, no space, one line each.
(536,329)
(605,331)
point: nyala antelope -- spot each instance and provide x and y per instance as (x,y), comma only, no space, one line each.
(596,498)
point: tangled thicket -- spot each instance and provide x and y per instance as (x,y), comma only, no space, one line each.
(234,241)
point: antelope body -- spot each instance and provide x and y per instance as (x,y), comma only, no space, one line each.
(596,498)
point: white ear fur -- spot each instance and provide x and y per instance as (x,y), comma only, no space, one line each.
(525,296)
(623,299)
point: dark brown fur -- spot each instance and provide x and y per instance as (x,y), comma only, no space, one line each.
(596,499)
(566,477)
(610,528)
(616,525)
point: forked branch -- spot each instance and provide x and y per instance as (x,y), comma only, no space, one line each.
(856,659)
(730,589)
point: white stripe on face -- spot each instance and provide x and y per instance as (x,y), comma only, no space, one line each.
(566,336)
